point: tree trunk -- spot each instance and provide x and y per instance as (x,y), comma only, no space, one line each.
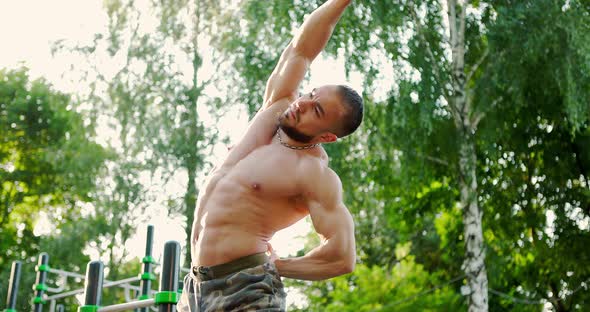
(192,160)
(474,265)
(190,200)
(460,105)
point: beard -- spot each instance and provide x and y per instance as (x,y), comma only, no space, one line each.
(293,133)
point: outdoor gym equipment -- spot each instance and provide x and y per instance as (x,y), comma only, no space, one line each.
(45,294)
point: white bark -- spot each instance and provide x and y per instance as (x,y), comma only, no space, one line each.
(474,264)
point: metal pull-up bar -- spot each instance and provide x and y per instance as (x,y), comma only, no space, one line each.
(166,298)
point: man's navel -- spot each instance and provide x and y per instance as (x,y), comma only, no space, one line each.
(256,186)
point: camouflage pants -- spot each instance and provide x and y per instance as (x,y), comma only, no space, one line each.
(257,288)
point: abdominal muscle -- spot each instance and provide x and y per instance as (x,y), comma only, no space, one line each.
(239,217)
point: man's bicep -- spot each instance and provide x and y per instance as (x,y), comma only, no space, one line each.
(330,221)
(336,228)
(286,77)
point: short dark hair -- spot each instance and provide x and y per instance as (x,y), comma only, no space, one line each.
(354,116)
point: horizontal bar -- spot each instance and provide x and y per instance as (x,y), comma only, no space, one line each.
(71,274)
(128,305)
(55,290)
(107,284)
(66,273)
(123,281)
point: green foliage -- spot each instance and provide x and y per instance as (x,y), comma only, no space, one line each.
(533,151)
(48,167)
(404,287)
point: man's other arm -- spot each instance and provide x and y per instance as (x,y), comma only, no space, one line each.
(336,255)
(309,41)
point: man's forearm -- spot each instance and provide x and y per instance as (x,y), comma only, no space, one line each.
(317,29)
(318,264)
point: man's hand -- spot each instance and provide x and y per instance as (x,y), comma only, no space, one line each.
(311,38)
(271,253)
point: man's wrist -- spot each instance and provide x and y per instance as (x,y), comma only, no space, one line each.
(279,264)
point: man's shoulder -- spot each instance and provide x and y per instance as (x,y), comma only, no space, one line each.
(314,169)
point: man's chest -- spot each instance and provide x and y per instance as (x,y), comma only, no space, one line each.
(269,170)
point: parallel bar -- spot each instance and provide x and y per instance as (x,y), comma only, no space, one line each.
(81,290)
(83,277)
(66,273)
(54,290)
(146,283)
(128,305)
(123,281)
(80,276)
(106,284)
(42,264)
(13,285)
(169,277)
(60,308)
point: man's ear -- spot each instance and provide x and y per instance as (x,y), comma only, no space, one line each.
(328,137)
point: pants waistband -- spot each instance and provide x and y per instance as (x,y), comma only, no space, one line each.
(225,269)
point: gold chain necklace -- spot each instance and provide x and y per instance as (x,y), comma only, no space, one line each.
(294,147)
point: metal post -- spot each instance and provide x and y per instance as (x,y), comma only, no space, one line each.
(13,286)
(136,295)
(147,276)
(60,308)
(40,286)
(93,286)
(168,295)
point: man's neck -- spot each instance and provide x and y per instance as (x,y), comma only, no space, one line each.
(287,141)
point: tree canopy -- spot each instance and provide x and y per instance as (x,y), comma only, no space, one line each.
(48,167)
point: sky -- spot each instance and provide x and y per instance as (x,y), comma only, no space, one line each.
(27,30)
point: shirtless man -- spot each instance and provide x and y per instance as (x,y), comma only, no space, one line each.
(276,175)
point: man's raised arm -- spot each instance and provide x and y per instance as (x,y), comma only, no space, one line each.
(309,41)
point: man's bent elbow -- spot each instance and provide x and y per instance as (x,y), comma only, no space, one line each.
(346,266)
(340,264)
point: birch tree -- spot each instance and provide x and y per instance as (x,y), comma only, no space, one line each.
(460,105)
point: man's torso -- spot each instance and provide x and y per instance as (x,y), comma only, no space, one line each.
(244,205)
